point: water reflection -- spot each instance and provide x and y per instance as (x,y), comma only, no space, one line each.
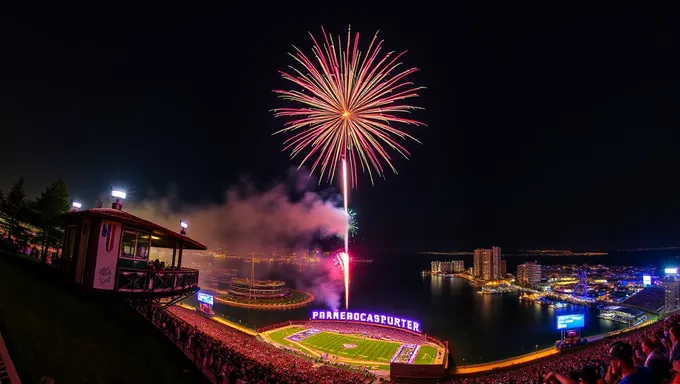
(476,325)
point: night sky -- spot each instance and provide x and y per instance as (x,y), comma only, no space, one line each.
(547,127)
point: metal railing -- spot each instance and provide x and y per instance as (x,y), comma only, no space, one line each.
(151,280)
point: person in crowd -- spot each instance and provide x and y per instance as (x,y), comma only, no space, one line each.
(655,360)
(674,334)
(621,364)
(676,372)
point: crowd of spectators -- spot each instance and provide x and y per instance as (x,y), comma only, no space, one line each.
(651,347)
(369,330)
(650,298)
(235,357)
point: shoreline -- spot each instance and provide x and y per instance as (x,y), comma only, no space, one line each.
(537,355)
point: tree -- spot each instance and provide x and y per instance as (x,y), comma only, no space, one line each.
(14,208)
(3,221)
(54,202)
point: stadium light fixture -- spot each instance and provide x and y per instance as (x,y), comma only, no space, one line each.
(76,205)
(118,194)
(184,225)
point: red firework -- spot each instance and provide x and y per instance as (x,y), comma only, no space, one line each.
(351,105)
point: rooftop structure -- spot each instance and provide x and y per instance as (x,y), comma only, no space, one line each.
(109,250)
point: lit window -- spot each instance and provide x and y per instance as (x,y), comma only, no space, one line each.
(135,245)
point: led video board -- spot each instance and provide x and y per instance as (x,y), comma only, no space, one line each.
(576,320)
(205,298)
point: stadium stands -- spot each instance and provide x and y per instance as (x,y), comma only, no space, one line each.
(233,355)
(570,363)
(370,330)
(650,298)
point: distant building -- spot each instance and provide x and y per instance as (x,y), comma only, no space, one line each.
(478,261)
(495,263)
(447,266)
(529,273)
(487,263)
(671,297)
(504,269)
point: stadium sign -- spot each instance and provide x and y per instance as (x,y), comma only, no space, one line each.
(372,318)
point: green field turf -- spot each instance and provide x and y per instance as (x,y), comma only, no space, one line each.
(426,355)
(366,349)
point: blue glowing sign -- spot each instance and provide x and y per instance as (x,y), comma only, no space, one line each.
(571,321)
(205,298)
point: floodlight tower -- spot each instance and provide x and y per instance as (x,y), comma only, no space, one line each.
(75,206)
(183,225)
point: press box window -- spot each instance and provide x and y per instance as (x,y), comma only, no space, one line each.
(135,245)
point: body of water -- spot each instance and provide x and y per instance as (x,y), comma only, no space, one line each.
(479,328)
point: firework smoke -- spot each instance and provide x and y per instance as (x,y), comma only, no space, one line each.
(250,220)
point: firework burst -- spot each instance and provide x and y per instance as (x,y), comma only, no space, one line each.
(351,105)
(353,224)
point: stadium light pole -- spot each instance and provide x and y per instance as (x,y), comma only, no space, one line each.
(75,206)
(183,225)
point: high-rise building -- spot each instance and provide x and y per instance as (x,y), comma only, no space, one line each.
(487,266)
(487,263)
(495,263)
(671,297)
(529,273)
(504,269)
(458,266)
(435,266)
(478,262)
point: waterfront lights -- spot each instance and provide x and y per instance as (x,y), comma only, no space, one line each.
(184,225)
(118,194)
(363,317)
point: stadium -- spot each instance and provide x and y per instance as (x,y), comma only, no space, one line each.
(356,339)
(258,289)
(626,315)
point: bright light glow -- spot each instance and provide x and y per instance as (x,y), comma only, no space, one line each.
(76,205)
(183,224)
(343,261)
(344,192)
(118,194)
(646,280)
(671,271)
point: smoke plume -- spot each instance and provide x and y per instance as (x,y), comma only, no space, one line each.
(249,220)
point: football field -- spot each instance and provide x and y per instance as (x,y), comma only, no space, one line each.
(353,349)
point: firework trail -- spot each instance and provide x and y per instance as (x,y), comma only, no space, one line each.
(351,105)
